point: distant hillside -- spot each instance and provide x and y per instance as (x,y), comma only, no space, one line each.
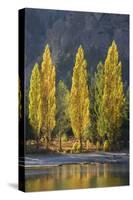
(65,31)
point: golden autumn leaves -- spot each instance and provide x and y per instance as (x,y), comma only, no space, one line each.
(109,96)
(42,102)
(113,94)
(79,98)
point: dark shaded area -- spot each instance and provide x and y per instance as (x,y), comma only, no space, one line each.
(21,178)
(64,31)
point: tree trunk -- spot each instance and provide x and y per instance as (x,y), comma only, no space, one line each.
(60,143)
(80,141)
(37,145)
(47,142)
(87,145)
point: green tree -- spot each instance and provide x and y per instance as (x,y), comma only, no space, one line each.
(91,130)
(125,126)
(126,105)
(48,90)
(63,120)
(79,97)
(98,106)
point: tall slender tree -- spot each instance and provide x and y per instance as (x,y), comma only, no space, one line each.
(79,97)
(35,101)
(98,106)
(63,119)
(48,90)
(113,94)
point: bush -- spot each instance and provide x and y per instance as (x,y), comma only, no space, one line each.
(76,147)
(98,146)
(64,138)
(106,145)
(89,145)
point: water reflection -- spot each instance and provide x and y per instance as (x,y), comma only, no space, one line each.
(77,176)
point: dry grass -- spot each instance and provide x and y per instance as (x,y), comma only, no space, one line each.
(31,146)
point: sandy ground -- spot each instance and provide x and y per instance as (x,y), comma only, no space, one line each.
(37,160)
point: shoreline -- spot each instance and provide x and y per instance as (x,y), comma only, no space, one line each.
(33,161)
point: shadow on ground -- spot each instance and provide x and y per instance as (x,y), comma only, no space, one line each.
(13,185)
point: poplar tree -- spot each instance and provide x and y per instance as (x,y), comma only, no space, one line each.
(113,94)
(48,90)
(63,119)
(98,106)
(79,97)
(35,101)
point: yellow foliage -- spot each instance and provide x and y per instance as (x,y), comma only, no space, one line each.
(106,145)
(76,147)
(48,90)
(79,97)
(35,100)
(113,94)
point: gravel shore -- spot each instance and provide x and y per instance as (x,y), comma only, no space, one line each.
(37,160)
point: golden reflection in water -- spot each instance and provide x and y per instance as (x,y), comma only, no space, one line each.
(77,176)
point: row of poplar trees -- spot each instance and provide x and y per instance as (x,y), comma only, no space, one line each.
(53,107)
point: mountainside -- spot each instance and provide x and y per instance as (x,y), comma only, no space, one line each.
(64,31)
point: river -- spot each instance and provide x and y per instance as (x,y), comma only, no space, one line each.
(75,176)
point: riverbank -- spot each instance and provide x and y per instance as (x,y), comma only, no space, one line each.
(39,161)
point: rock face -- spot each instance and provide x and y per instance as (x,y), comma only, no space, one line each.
(64,31)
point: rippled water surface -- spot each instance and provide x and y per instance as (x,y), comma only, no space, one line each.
(76,176)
